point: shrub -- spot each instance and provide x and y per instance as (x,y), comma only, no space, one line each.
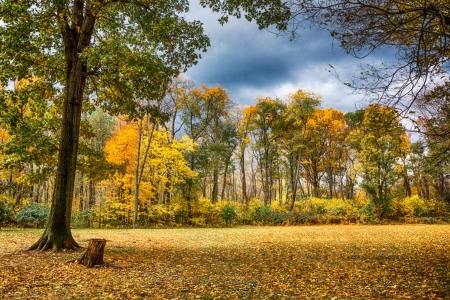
(414,206)
(160,214)
(33,214)
(317,206)
(6,213)
(228,214)
(437,208)
(265,215)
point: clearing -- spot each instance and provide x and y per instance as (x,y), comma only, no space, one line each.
(307,262)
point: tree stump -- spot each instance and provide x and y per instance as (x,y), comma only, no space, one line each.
(94,253)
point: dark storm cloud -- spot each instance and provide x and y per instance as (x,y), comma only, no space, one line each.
(250,63)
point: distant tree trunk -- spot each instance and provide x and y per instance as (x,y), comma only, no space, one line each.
(215,187)
(204,184)
(19,195)
(91,194)
(81,194)
(37,194)
(224,184)
(266,179)
(243,179)
(166,193)
(136,178)
(330,183)
(296,179)
(57,234)
(426,188)
(407,185)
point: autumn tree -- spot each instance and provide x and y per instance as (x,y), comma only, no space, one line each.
(325,153)
(432,120)
(243,141)
(216,130)
(31,126)
(161,160)
(265,119)
(300,109)
(108,52)
(205,113)
(382,141)
(92,166)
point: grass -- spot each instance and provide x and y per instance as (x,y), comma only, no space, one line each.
(310,262)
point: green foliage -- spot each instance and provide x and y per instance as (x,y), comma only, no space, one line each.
(33,214)
(228,214)
(84,218)
(6,212)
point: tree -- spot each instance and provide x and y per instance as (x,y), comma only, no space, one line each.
(96,129)
(382,141)
(434,125)
(161,165)
(32,131)
(301,107)
(107,52)
(264,121)
(205,114)
(325,148)
(417,31)
(243,141)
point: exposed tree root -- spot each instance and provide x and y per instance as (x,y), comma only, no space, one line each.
(56,243)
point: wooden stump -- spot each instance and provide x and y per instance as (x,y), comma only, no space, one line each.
(94,253)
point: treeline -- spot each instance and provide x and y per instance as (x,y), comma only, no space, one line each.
(199,159)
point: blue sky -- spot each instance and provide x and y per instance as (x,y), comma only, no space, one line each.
(250,63)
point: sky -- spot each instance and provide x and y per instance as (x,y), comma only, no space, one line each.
(251,63)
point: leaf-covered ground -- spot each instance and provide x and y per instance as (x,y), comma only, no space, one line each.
(317,262)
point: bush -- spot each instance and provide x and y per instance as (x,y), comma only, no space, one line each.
(414,206)
(204,213)
(265,215)
(6,213)
(228,214)
(34,214)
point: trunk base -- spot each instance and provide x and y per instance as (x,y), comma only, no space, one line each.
(55,242)
(94,253)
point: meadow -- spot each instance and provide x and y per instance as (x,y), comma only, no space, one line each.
(296,262)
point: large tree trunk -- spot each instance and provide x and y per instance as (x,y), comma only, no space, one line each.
(57,234)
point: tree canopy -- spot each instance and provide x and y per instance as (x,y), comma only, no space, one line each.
(418,32)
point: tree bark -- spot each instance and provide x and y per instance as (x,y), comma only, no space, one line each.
(76,37)
(94,253)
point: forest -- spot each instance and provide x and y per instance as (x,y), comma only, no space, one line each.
(206,161)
